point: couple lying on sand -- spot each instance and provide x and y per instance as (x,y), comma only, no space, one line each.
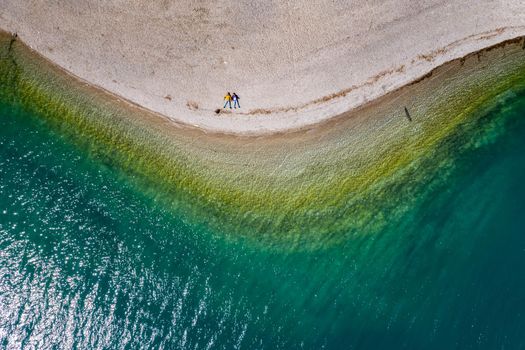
(229,98)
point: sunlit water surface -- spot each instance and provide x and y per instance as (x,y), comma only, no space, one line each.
(90,261)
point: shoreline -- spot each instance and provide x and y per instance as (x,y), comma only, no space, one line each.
(282,188)
(267,133)
(292,72)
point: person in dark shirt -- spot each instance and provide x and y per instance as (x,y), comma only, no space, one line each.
(235,99)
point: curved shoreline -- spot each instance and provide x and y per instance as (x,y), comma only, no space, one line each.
(293,66)
(281,188)
(307,124)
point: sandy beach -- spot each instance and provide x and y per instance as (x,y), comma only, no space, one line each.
(368,195)
(120,229)
(294,64)
(306,174)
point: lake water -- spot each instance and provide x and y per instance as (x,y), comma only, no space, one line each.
(89,260)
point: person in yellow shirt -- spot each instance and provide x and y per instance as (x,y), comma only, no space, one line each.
(228,100)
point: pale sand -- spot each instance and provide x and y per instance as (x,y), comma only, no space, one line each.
(294,63)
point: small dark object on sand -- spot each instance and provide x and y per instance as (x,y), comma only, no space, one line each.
(217,111)
(408,115)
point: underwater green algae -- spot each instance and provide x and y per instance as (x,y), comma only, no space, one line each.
(91,260)
(296,191)
(370,232)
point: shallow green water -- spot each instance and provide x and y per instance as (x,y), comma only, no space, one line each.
(88,260)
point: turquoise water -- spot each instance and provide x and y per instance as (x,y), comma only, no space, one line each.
(89,260)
